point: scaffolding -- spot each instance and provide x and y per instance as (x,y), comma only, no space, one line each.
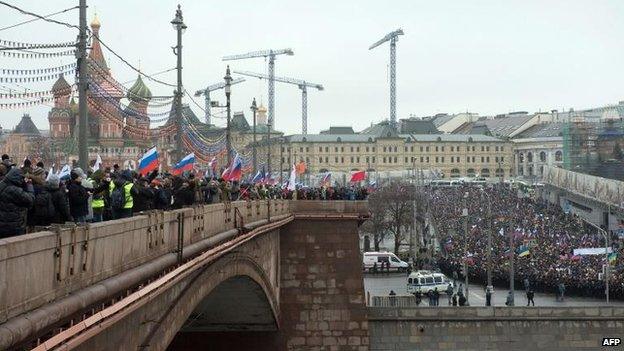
(594,145)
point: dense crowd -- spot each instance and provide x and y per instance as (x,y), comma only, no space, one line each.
(545,232)
(31,197)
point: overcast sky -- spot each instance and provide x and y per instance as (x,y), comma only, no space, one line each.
(488,56)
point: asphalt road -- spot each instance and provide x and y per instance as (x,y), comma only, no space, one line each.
(380,285)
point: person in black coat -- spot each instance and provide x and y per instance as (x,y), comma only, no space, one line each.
(59,200)
(15,203)
(78,198)
(143,196)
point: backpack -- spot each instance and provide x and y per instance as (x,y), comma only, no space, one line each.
(43,206)
(118,198)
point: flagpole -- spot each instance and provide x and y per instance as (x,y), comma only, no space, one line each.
(512,277)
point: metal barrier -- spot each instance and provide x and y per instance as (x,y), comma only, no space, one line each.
(394,301)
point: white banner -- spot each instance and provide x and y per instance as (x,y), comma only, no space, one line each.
(591,251)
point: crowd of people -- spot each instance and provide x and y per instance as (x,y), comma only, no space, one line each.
(32,197)
(543,235)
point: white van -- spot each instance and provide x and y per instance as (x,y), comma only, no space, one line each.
(425,281)
(370,258)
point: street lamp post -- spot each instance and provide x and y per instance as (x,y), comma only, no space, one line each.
(465,215)
(489,246)
(180,27)
(269,168)
(605,235)
(512,273)
(228,92)
(254,108)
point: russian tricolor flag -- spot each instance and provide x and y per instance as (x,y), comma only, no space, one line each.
(149,161)
(235,170)
(185,164)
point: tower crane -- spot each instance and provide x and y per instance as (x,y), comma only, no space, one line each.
(302,84)
(208,89)
(271,55)
(393,37)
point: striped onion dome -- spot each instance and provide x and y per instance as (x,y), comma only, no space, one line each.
(61,87)
(139,91)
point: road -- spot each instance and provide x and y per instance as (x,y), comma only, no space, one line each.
(380,285)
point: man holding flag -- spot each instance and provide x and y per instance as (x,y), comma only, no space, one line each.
(186,164)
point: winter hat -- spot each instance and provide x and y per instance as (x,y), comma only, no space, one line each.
(79,171)
(53,181)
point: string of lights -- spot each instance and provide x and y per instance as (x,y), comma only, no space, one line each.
(36,71)
(43,78)
(25,54)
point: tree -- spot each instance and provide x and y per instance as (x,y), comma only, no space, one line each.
(392,211)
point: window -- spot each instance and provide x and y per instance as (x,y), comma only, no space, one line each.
(373,159)
(487,148)
(395,149)
(351,159)
(442,148)
(342,149)
(367,159)
(421,149)
(373,149)
(411,149)
(307,149)
(335,148)
(406,160)
(307,160)
(300,149)
(501,149)
(326,159)
(357,159)
(384,160)
(558,156)
(342,160)
(452,148)
(467,159)
(482,148)
(367,149)
(405,148)
(502,159)
(473,159)
(326,149)
(427,148)
(320,149)
(437,160)
(320,160)
(422,159)
(487,159)
(413,158)
(496,148)
(427,159)
(357,149)
(473,148)
(436,149)
(451,159)
(542,156)
(384,149)
(395,159)
(336,159)
(282,149)
(442,158)
(482,159)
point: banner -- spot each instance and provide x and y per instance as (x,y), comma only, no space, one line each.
(591,251)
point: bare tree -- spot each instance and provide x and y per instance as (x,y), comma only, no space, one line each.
(392,208)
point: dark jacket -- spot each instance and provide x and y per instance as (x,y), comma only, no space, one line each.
(183,196)
(14,202)
(78,199)
(61,206)
(143,198)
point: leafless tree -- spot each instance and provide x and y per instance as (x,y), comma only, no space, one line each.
(392,211)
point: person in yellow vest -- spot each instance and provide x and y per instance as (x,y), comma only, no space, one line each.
(100,192)
(122,195)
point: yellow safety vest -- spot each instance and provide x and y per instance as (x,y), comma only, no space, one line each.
(127,187)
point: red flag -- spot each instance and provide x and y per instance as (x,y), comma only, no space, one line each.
(358,176)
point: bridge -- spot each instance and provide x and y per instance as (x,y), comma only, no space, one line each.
(245,275)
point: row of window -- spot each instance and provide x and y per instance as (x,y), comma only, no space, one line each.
(395,149)
(423,159)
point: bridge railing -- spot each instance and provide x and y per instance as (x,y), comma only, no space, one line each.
(41,267)
(393,301)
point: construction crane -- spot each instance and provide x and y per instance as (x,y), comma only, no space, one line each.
(206,93)
(302,84)
(393,37)
(271,55)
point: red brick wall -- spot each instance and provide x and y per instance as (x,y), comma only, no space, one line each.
(321,289)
